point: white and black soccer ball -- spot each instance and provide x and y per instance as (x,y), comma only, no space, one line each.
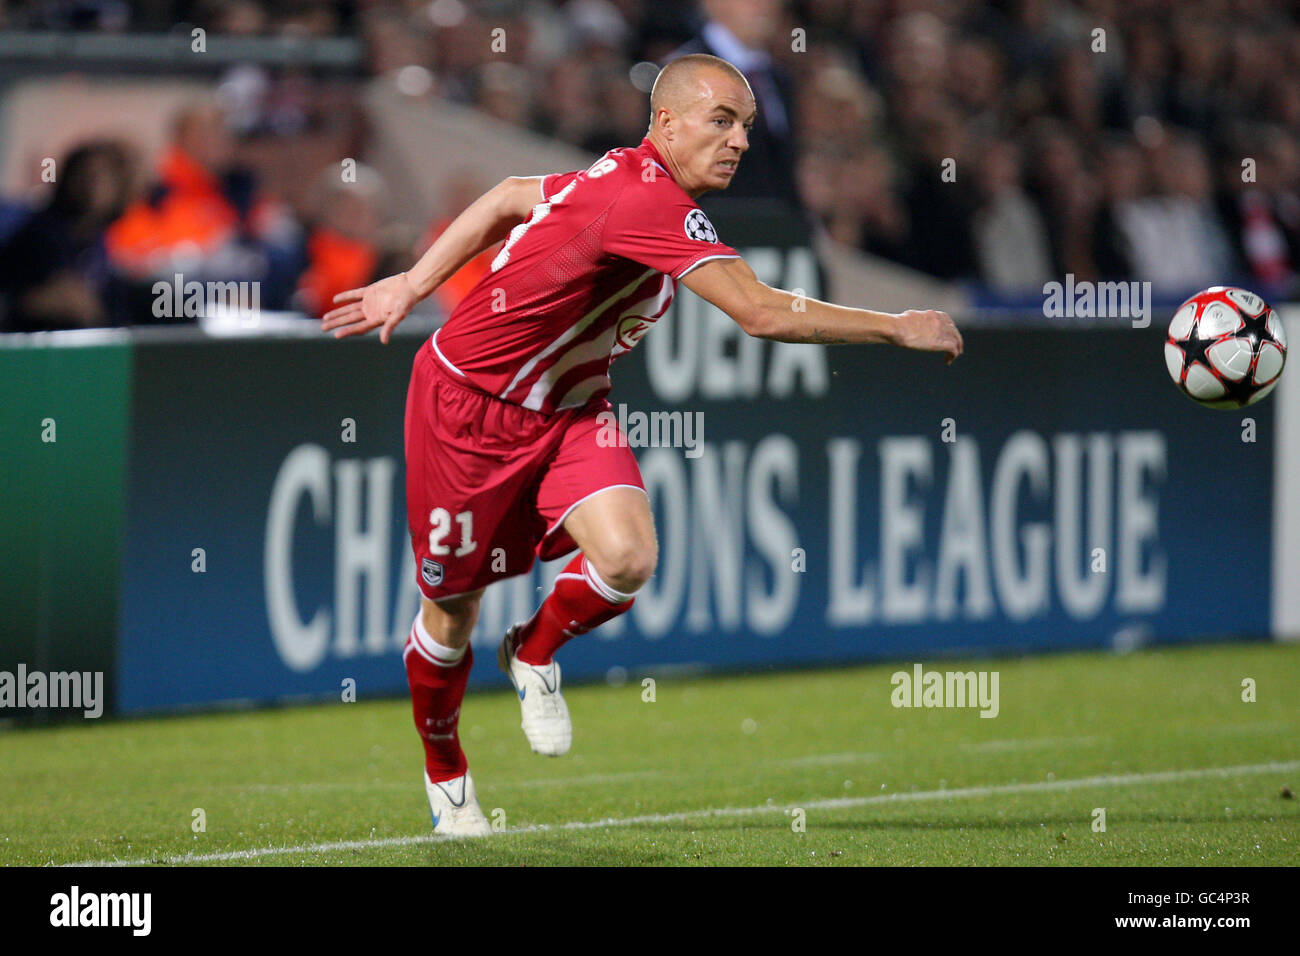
(1225,348)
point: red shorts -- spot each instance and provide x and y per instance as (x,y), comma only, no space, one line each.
(489,483)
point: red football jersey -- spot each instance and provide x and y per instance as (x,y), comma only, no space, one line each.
(579,282)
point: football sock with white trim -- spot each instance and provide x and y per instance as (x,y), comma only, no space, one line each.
(579,602)
(437,676)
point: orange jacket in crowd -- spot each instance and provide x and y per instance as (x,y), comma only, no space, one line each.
(188,208)
(336,263)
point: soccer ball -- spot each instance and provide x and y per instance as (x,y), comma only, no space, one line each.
(1226,348)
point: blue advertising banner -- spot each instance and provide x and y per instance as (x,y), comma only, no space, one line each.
(1050,490)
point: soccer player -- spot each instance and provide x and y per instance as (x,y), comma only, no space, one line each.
(502,459)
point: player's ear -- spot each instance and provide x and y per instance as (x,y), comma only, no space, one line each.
(663,120)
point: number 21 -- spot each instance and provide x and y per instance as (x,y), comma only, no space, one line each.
(440,519)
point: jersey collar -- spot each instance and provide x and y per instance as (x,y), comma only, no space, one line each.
(649,147)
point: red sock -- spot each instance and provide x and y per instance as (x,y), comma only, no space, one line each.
(579,602)
(437,690)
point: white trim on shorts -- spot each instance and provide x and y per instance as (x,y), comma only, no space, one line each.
(567,511)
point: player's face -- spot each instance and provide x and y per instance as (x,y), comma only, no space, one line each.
(715,132)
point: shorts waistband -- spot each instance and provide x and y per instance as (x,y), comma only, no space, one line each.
(457,379)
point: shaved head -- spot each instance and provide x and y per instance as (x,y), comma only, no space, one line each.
(679,83)
(701,113)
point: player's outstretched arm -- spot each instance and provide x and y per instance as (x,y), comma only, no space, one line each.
(768,313)
(383,304)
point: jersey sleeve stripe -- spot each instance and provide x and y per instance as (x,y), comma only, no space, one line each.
(702,260)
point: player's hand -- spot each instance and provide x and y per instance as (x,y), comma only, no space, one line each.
(380,305)
(929,331)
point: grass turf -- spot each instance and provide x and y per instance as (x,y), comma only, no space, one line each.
(876,784)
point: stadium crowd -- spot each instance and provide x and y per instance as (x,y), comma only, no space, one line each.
(999,144)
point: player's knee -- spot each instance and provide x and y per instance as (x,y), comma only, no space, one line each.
(628,566)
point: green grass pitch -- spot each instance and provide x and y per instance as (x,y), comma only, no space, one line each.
(712,772)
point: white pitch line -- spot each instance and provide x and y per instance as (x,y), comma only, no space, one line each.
(834,803)
(818,759)
(1032,743)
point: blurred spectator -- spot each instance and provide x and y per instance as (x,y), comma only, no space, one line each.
(871,215)
(624,113)
(460,191)
(917,54)
(205,219)
(597,29)
(461,44)
(977,80)
(505,92)
(1263,214)
(1078,92)
(1122,183)
(1067,194)
(568,110)
(837,110)
(343,248)
(816,174)
(940,207)
(1177,241)
(81,15)
(54,269)
(1249,75)
(1029,33)
(1142,90)
(243,18)
(1193,100)
(743,32)
(1010,238)
(392,44)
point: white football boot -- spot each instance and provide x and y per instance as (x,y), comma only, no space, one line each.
(545,715)
(453,805)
